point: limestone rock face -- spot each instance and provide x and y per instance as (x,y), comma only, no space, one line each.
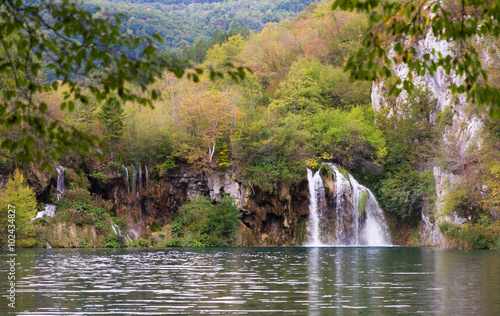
(268,218)
(460,136)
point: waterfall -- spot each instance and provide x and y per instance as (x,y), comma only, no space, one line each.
(134,177)
(147,177)
(137,230)
(126,178)
(61,182)
(348,215)
(48,246)
(116,229)
(375,231)
(139,184)
(341,185)
(315,190)
(49,211)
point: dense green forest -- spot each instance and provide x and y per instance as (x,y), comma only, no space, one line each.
(190,28)
(296,108)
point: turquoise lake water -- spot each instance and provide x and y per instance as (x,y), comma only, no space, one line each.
(232,281)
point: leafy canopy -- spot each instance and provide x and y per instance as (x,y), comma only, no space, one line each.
(459,21)
(89,57)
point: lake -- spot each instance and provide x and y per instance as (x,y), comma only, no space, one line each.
(228,281)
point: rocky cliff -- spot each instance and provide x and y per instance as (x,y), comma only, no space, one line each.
(461,135)
(146,198)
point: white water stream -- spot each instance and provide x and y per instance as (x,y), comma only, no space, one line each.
(345,223)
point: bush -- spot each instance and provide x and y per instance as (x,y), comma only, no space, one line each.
(484,235)
(113,241)
(82,208)
(201,223)
(140,242)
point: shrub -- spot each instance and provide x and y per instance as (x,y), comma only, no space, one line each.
(484,235)
(154,227)
(202,223)
(113,241)
(140,242)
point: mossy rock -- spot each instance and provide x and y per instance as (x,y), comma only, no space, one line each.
(76,179)
(344,172)
(328,177)
(301,231)
(362,203)
(245,237)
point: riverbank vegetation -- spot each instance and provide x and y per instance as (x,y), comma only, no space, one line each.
(296,107)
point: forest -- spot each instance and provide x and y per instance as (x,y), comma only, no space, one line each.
(295,108)
(187,27)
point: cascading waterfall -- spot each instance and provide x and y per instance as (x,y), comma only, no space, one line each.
(116,229)
(137,230)
(316,191)
(341,185)
(61,182)
(147,177)
(126,178)
(134,186)
(139,184)
(50,209)
(134,177)
(353,216)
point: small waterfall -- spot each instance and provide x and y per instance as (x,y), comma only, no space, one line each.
(139,184)
(133,171)
(353,216)
(375,231)
(48,246)
(137,230)
(126,178)
(341,185)
(316,190)
(49,211)
(61,182)
(147,177)
(116,229)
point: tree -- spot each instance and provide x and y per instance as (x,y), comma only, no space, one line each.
(207,125)
(299,92)
(62,37)
(111,117)
(462,22)
(22,199)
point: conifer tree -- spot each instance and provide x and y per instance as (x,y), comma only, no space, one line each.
(111,116)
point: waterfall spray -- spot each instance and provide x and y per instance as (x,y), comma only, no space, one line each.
(356,219)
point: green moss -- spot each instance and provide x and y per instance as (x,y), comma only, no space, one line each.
(344,172)
(99,176)
(76,179)
(362,203)
(154,227)
(301,231)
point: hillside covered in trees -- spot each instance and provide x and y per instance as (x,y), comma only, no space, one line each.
(296,108)
(195,24)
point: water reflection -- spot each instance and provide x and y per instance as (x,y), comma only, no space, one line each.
(314,281)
